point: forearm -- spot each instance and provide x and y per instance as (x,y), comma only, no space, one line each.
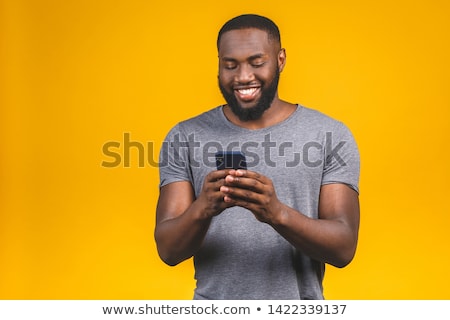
(332,238)
(328,241)
(179,238)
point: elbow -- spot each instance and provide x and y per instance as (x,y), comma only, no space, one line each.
(343,257)
(167,254)
(168,258)
(169,261)
(341,263)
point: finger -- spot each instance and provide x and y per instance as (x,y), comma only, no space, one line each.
(249,174)
(240,194)
(217,175)
(240,203)
(244,183)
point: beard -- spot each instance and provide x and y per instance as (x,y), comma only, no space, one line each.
(267,95)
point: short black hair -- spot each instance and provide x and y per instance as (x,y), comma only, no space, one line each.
(247,21)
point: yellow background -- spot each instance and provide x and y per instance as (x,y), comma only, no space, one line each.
(78,74)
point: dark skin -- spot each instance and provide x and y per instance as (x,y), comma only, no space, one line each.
(247,58)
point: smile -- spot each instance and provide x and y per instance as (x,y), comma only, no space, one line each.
(247,94)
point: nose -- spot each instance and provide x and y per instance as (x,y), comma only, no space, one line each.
(244,74)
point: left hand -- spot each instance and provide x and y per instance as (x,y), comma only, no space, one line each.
(253,191)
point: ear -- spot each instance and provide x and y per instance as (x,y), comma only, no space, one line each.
(281,59)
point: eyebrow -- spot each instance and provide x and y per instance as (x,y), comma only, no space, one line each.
(253,57)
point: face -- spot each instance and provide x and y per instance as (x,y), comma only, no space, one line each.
(249,68)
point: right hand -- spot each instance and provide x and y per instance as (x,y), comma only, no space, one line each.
(211,198)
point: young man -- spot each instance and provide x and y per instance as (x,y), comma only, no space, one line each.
(268,231)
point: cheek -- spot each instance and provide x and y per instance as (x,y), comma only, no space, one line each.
(264,77)
(224,79)
(268,75)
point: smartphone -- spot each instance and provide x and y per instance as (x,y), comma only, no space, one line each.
(230,160)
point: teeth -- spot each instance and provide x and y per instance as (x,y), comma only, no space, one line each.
(247,91)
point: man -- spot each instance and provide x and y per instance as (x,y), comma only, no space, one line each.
(266,232)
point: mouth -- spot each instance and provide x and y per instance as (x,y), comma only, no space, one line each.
(247,94)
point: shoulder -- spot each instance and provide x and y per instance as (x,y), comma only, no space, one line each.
(208,119)
(315,117)
(313,122)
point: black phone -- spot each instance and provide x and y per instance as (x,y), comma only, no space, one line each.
(230,160)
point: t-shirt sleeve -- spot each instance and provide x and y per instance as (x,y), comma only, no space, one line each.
(174,158)
(342,160)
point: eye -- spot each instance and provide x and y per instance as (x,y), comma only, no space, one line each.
(230,66)
(258,64)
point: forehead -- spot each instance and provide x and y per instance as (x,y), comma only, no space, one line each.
(245,42)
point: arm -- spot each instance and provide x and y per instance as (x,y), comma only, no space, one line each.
(182,221)
(332,238)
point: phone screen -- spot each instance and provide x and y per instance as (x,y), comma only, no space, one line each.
(230,160)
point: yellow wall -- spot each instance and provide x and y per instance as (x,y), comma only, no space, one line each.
(78,74)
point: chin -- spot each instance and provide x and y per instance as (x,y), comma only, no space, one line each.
(248,113)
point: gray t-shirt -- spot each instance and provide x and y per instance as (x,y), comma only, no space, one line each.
(242,258)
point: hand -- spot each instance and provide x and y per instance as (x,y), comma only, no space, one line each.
(211,197)
(253,191)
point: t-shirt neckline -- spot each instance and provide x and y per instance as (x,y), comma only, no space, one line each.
(230,124)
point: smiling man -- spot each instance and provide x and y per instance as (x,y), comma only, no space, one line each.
(267,231)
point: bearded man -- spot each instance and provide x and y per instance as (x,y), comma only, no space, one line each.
(267,231)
